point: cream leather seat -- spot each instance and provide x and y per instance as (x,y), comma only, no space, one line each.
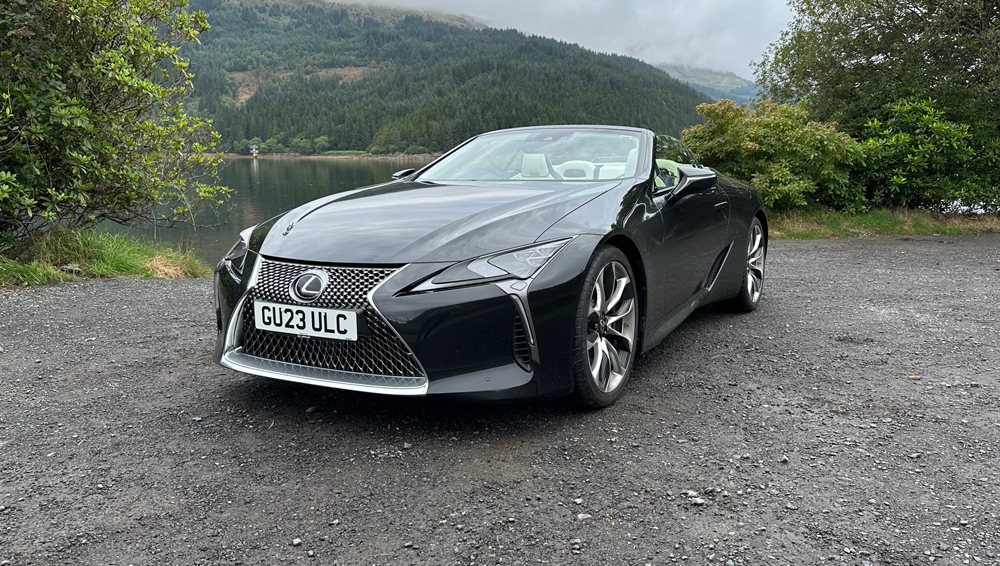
(575,170)
(621,170)
(632,162)
(534,166)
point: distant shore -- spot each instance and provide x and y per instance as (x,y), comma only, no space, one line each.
(372,156)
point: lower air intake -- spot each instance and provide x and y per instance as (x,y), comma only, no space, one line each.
(522,353)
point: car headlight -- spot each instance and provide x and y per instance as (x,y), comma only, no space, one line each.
(235,259)
(525,263)
(517,264)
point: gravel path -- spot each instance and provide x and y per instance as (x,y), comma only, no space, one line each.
(795,435)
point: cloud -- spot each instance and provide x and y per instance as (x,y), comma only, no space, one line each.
(724,35)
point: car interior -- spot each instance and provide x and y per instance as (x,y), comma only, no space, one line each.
(667,174)
(538,166)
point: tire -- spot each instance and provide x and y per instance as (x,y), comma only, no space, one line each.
(752,288)
(607,323)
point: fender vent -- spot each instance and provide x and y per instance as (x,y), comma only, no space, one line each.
(717,267)
(522,353)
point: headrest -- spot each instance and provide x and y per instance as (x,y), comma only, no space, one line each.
(535,166)
(632,162)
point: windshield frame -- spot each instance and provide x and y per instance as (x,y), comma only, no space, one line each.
(642,164)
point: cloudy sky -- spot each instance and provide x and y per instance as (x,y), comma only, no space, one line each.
(719,34)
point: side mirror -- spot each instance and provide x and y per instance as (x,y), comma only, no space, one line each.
(404,173)
(693,180)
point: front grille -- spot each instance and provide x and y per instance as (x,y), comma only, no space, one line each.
(522,354)
(382,353)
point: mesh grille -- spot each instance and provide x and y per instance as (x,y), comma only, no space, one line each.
(522,354)
(380,354)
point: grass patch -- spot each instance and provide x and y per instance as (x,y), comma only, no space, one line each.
(72,255)
(820,223)
(345,152)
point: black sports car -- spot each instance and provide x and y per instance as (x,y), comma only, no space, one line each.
(525,263)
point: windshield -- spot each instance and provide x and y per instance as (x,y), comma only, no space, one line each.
(541,155)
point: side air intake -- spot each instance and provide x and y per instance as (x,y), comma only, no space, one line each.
(713,275)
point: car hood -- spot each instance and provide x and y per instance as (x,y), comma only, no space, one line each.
(409,222)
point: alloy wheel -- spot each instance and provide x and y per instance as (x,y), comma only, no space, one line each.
(611,327)
(755,263)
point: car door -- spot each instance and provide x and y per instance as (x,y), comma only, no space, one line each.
(695,213)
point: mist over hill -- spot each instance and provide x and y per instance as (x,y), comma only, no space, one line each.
(310,76)
(716,84)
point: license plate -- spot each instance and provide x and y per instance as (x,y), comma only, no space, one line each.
(306,321)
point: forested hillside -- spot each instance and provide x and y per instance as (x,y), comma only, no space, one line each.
(308,76)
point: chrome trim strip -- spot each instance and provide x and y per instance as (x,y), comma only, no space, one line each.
(722,266)
(238,361)
(371,301)
(255,273)
(524,317)
(235,329)
(216,303)
(520,299)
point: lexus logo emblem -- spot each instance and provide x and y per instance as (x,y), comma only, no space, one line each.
(308,287)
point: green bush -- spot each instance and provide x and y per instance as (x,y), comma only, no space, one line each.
(241,147)
(857,61)
(321,144)
(918,159)
(793,161)
(272,145)
(302,146)
(92,124)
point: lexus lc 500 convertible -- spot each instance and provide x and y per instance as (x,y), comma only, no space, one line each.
(525,263)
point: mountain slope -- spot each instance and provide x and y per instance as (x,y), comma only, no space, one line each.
(313,76)
(713,83)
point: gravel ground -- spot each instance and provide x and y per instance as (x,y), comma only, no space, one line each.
(799,434)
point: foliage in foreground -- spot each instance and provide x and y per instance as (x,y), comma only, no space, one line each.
(854,61)
(793,161)
(91,122)
(69,255)
(918,159)
(914,158)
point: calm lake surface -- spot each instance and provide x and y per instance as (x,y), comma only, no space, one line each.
(267,187)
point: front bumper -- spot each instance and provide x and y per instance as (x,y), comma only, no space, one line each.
(486,341)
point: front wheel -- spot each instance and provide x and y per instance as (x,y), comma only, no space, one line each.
(753,285)
(606,329)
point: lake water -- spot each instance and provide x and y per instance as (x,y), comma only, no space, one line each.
(267,187)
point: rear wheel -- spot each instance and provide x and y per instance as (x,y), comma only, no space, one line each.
(753,285)
(606,329)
